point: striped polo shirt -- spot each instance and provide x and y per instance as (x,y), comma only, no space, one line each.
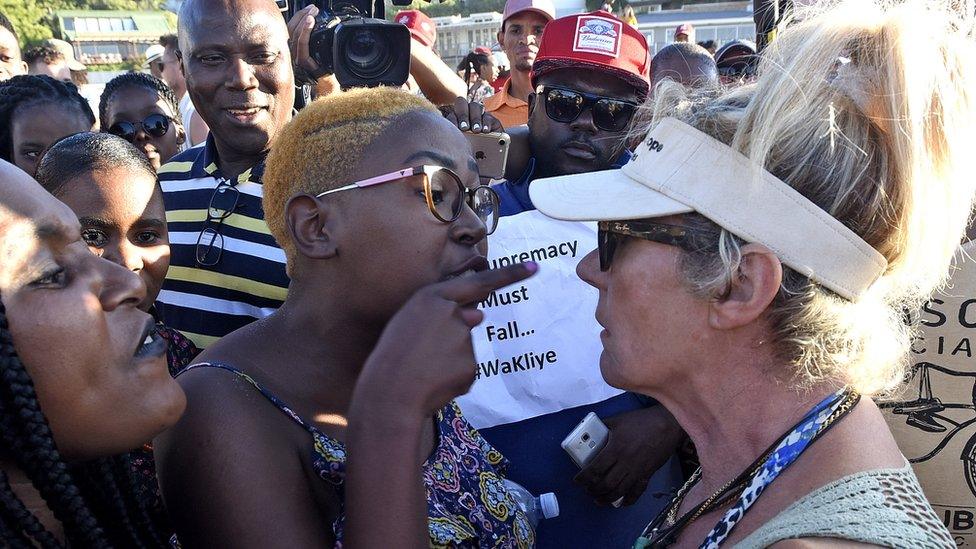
(249,280)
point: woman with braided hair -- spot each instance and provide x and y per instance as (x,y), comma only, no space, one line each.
(479,72)
(36,111)
(144,111)
(81,381)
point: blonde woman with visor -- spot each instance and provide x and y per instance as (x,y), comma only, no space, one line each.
(754,261)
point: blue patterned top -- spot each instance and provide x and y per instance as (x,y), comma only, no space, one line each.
(467,502)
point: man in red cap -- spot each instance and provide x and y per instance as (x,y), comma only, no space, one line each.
(522,25)
(421,27)
(589,76)
(684,33)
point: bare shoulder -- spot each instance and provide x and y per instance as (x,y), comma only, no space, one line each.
(819,543)
(234,456)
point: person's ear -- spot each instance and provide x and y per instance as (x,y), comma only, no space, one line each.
(751,291)
(309,221)
(179,57)
(501,37)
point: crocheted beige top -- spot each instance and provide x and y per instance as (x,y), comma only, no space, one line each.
(883,507)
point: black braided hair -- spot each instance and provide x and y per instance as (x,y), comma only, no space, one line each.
(94,501)
(138,80)
(472,64)
(26,90)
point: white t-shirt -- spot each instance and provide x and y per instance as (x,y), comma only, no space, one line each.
(187,110)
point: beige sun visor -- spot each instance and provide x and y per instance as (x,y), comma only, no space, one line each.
(690,168)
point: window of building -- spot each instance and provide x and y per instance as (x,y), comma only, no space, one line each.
(725,34)
(104,24)
(704,33)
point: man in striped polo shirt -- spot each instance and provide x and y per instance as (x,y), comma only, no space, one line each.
(226,269)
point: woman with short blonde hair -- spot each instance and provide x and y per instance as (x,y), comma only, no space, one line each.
(755,260)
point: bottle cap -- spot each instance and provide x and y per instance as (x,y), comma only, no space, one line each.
(549,505)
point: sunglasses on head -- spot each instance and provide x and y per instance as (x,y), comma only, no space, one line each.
(155,125)
(610,233)
(565,105)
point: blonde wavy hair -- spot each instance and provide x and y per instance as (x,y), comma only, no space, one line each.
(865,107)
(318,149)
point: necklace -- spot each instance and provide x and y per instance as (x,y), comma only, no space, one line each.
(665,528)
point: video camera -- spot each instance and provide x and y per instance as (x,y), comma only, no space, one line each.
(352,40)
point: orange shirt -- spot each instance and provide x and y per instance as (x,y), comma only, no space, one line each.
(509,110)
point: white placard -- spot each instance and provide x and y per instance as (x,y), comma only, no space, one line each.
(538,349)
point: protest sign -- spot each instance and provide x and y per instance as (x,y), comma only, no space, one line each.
(538,349)
(934,417)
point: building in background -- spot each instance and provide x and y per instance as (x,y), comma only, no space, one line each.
(719,21)
(103,36)
(722,21)
(457,35)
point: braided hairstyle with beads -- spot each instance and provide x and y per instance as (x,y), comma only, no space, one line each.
(28,90)
(95,502)
(139,80)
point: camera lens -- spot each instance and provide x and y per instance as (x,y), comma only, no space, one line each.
(368,54)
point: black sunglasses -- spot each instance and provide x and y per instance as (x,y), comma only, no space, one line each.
(609,234)
(565,105)
(210,243)
(155,125)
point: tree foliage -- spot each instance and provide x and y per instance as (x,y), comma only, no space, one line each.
(450,7)
(33,18)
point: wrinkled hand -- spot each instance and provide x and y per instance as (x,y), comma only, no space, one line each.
(299,32)
(424,358)
(471,116)
(640,442)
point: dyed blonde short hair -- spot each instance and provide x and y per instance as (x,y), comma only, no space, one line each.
(318,149)
(867,108)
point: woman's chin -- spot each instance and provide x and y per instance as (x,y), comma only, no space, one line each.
(610,371)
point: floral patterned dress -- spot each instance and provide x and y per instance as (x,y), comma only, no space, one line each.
(468,505)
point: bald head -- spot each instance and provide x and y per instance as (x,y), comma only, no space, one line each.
(238,73)
(198,17)
(686,63)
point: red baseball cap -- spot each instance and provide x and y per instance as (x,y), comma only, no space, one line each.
(597,40)
(685,29)
(422,28)
(544,8)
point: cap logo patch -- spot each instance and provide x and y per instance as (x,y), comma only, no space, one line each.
(404,20)
(598,35)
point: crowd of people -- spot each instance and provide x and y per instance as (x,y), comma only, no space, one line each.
(225,321)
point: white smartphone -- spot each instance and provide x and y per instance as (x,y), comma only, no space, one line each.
(586,440)
(490,152)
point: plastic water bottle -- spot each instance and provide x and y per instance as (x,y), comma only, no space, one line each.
(535,508)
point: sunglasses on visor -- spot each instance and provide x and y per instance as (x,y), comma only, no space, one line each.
(566,105)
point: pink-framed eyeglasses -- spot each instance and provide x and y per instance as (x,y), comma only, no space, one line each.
(444,192)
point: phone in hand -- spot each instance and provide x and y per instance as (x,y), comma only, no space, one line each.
(490,152)
(585,441)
